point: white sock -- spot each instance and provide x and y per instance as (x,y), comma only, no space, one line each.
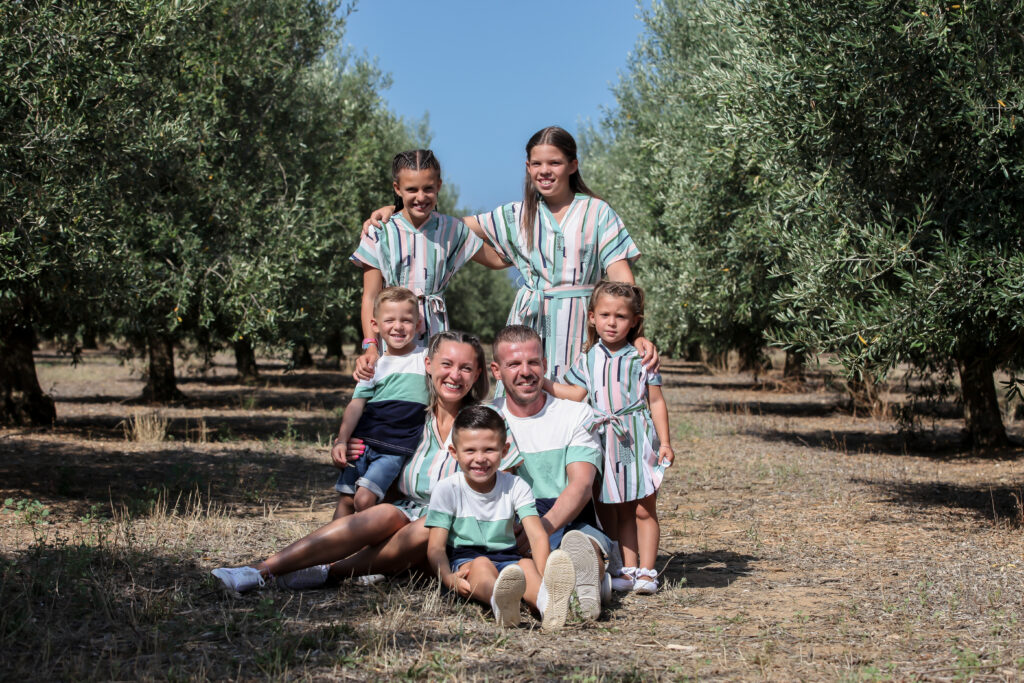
(542,598)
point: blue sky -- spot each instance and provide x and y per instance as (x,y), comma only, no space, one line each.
(490,74)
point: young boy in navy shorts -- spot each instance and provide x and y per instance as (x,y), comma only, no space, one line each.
(472,543)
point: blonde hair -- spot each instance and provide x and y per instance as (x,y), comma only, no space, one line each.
(396,295)
(631,293)
(481,387)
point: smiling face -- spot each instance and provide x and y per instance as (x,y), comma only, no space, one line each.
(479,453)
(453,370)
(612,318)
(521,367)
(549,170)
(418,190)
(396,322)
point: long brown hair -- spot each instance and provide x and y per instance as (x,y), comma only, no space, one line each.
(481,387)
(631,293)
(566,144)
(413,160)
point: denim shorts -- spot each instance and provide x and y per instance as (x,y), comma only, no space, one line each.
(372,470)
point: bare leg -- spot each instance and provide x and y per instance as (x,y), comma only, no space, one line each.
(482,574)
(406,548)
(608,514)
(345,506)
(648,531)
(627,533)
(533,580)
(338,538)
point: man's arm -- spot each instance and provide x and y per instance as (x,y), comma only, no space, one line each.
(574,498)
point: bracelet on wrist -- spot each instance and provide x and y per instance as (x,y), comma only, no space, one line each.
(368,341)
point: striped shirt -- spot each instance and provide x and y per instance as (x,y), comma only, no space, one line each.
(423,260)
(432,461)
(549,441)
(560,268)
(396,403)
(480,521)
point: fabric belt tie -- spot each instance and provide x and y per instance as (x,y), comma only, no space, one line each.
(617,419)
(434,302)
(532,300)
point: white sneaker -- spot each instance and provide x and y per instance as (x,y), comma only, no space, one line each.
(508,596)
(624,582)
(239,579)
(370,579)
(301,579)
(587,566)
(646,582)
(555,590)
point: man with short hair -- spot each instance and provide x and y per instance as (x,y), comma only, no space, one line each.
(559,459)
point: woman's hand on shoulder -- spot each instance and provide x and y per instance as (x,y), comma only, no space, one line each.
(378,218)
(649,353)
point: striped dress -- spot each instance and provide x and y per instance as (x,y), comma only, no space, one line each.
(616,384)
(422,260)
(560,268)
(431,463)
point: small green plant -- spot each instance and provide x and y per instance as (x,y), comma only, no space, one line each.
(30,511)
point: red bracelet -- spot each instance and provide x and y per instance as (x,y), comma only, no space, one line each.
(368,341)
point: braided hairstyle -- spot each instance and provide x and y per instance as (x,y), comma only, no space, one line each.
(413,160)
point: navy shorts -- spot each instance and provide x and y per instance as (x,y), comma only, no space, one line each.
(500,558)
(372,470)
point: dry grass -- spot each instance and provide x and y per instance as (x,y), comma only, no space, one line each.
(799,543)
(148,427)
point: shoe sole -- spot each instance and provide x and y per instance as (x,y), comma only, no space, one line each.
(508,596)
(586,564)
(559,580)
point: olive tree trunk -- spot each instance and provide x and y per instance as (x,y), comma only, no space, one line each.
(161,385)
(22,401)
(245,361)
(982,416)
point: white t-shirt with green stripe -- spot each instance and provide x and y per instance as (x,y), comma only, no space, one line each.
(481,521)
(549,441)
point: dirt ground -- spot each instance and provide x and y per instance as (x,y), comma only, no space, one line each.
(799,542)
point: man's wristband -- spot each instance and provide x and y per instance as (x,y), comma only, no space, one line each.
(368,341)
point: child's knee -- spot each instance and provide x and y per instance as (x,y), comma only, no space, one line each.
(647,509)
(364,498)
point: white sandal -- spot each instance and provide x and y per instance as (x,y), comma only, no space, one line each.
(646,581)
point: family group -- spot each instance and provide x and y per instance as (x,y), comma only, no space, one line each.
(549,489)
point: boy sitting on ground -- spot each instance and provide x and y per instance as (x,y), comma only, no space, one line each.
(472,544)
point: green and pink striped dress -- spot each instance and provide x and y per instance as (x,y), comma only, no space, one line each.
(616,385)
(422,260)
(560,268)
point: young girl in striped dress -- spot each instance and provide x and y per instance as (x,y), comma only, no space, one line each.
(417,248)
(629,404)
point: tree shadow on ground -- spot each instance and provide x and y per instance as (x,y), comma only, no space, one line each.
(212,428)
(941,443)
(78,478)
(999,503)
(710,569)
